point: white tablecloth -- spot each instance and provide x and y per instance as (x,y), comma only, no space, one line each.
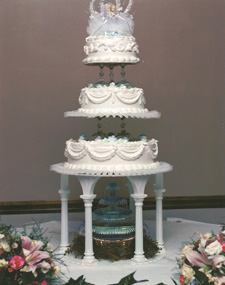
(176,232)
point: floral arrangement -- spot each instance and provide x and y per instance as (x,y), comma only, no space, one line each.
(27,259)
(203,261)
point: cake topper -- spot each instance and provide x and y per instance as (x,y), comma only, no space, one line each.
(111,20)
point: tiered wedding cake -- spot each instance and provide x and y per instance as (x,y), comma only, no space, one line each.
(111,44)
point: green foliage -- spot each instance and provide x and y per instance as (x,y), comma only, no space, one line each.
(36,233)
(174,281)
(129,280)
(113,251)
(79,281)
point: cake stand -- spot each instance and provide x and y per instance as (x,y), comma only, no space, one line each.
(88,181)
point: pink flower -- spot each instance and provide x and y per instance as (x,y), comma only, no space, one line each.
(221,280)
(197,259)
(32,254)
(17,262)
(182,279)
(223,246)
(44,283)
(218,261)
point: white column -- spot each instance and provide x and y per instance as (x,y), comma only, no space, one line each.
(88,184)
(138,183)
(139,246)
(89,253)
(159,216)
(64,193)
(131,202)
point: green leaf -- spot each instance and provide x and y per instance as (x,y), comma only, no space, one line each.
(129,280)
(79,281)
(174,281)
(161,283)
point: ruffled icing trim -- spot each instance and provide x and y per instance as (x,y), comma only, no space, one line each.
(123,112)
(111,59)
(102,151)
(116,170)
(128,96)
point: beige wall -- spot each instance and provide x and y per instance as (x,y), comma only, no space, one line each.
(182,72)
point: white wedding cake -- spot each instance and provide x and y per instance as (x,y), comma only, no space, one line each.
(111,44)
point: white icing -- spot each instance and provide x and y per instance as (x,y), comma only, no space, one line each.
(111,170)
(109,155)
(108,49)
(131,99)
(122,112)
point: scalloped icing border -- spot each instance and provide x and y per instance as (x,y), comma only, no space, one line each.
(127,113)
(111,59)
(127,170)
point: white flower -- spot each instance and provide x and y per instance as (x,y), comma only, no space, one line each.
(218,261)
(2,236)
(207,235)
(37,242)
(57,270)
(210,277)
(49,247)
(27,268)
(45,266)
(185,250)
(5,246)
(3,263)
(188,273)
(214,248)
(14,245)
(219,280)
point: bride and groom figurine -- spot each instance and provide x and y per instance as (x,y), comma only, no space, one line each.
(111,20)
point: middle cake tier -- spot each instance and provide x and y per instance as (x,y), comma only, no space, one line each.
(111,154)
(112,101)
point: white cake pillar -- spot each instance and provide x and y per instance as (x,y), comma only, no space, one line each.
(88,184)
(139,183)
(131,202)
(64,193)
(159,191)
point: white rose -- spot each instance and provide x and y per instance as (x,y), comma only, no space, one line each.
(57,271)
(185,250)
(214,248)
(49,247)
(207,235)
(188,273)
(36,242)
(45,266)
(3,263)
(6,246)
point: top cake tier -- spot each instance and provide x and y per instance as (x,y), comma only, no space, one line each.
(110,40)
(109,50)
